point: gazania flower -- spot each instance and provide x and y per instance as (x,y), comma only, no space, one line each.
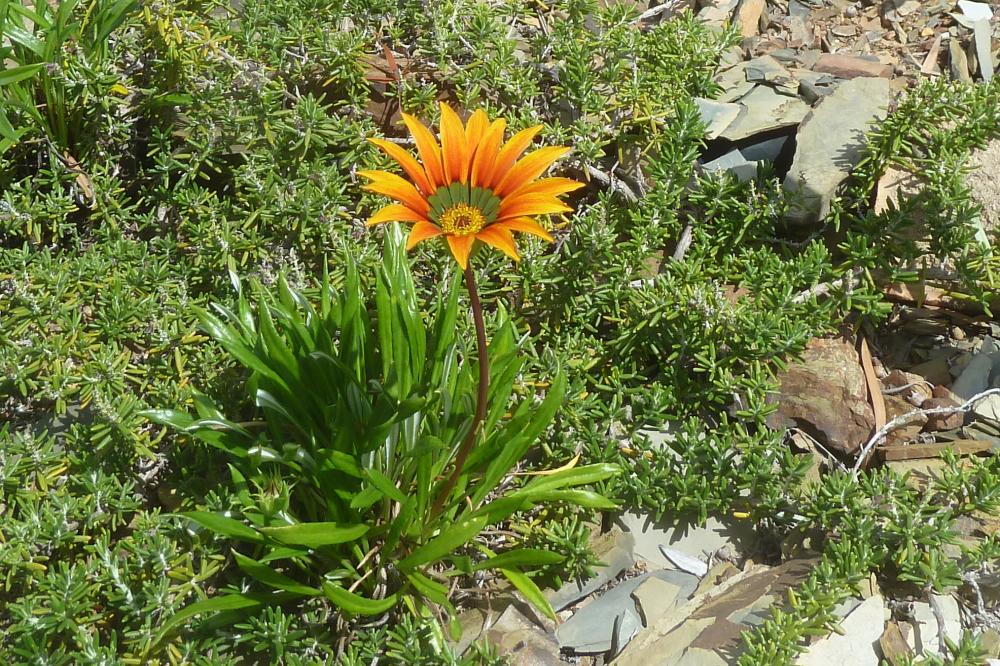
(471,186)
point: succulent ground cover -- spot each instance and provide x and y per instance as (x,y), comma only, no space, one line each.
(161,162)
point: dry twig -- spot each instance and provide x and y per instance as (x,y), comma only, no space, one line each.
(849,281)
(904,419)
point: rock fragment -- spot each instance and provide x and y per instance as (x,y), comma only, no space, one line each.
(709,628)
(850,67)
(748,16)
(862,629)
(717,116)
(830,143)
(825,394)
(716,12)
(613,619)
(939,422)
(522,640)
(764,110)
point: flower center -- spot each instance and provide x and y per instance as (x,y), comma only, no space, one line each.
(462,220)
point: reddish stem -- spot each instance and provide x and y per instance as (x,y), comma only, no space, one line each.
(484,383)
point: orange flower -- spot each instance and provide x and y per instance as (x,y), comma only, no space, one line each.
(470,187)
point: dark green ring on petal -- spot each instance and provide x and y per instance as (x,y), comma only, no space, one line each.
(454,194)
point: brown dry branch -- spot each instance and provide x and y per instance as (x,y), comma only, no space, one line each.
(904,419)
(611,181)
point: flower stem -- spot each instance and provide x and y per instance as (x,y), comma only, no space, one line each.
(484,384)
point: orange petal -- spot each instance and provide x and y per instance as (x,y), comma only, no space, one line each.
(410,165)
(486,152)
(461,248)
(530,168)
(501,239)
(421,231)
(396,213)
(524,225)
(550,186)
(475,128)
(530,204)
(395,187)
(427,146)
(453,149)
(509,154)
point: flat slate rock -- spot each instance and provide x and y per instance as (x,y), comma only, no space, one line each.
(709,627)
(829,143)
(717,116)
(591,630)
(617,556)
(695,541)
(863,628)
(763,110)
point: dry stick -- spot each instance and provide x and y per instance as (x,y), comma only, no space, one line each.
(684,243)
(615,184)
(909,416)
(938,616)
(484,382)
(851,280)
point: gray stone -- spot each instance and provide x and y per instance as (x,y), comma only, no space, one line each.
(830,143)
(813,92)
(521,640)
(591,630)
(735,163)
(766,69)
(958,62)
(716,12)
(763,110)
(695,656)
(717,116)
(924,637)
(733,83)
(768,150)
(704,623)
(697,542)
(654,597)
(856,646)
(978,372)
(617,557)
(981,373)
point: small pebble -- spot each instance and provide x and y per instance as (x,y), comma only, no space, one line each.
(899,70)
(957,333)
(851,11)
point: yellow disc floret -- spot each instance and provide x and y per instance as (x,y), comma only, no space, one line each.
(462,220)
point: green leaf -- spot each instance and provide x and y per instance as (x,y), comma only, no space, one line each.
(577,476)
(269,576)
(356,604)
(168,417)
(315,535)
(7,130)
(220,524)
(585,498)
(522,557)
(366,498)
(431,589)
(446,542)
(227,602)
(15,74)
(531,593)
(284,553)
(384,484)
(527,435)
(232,342)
